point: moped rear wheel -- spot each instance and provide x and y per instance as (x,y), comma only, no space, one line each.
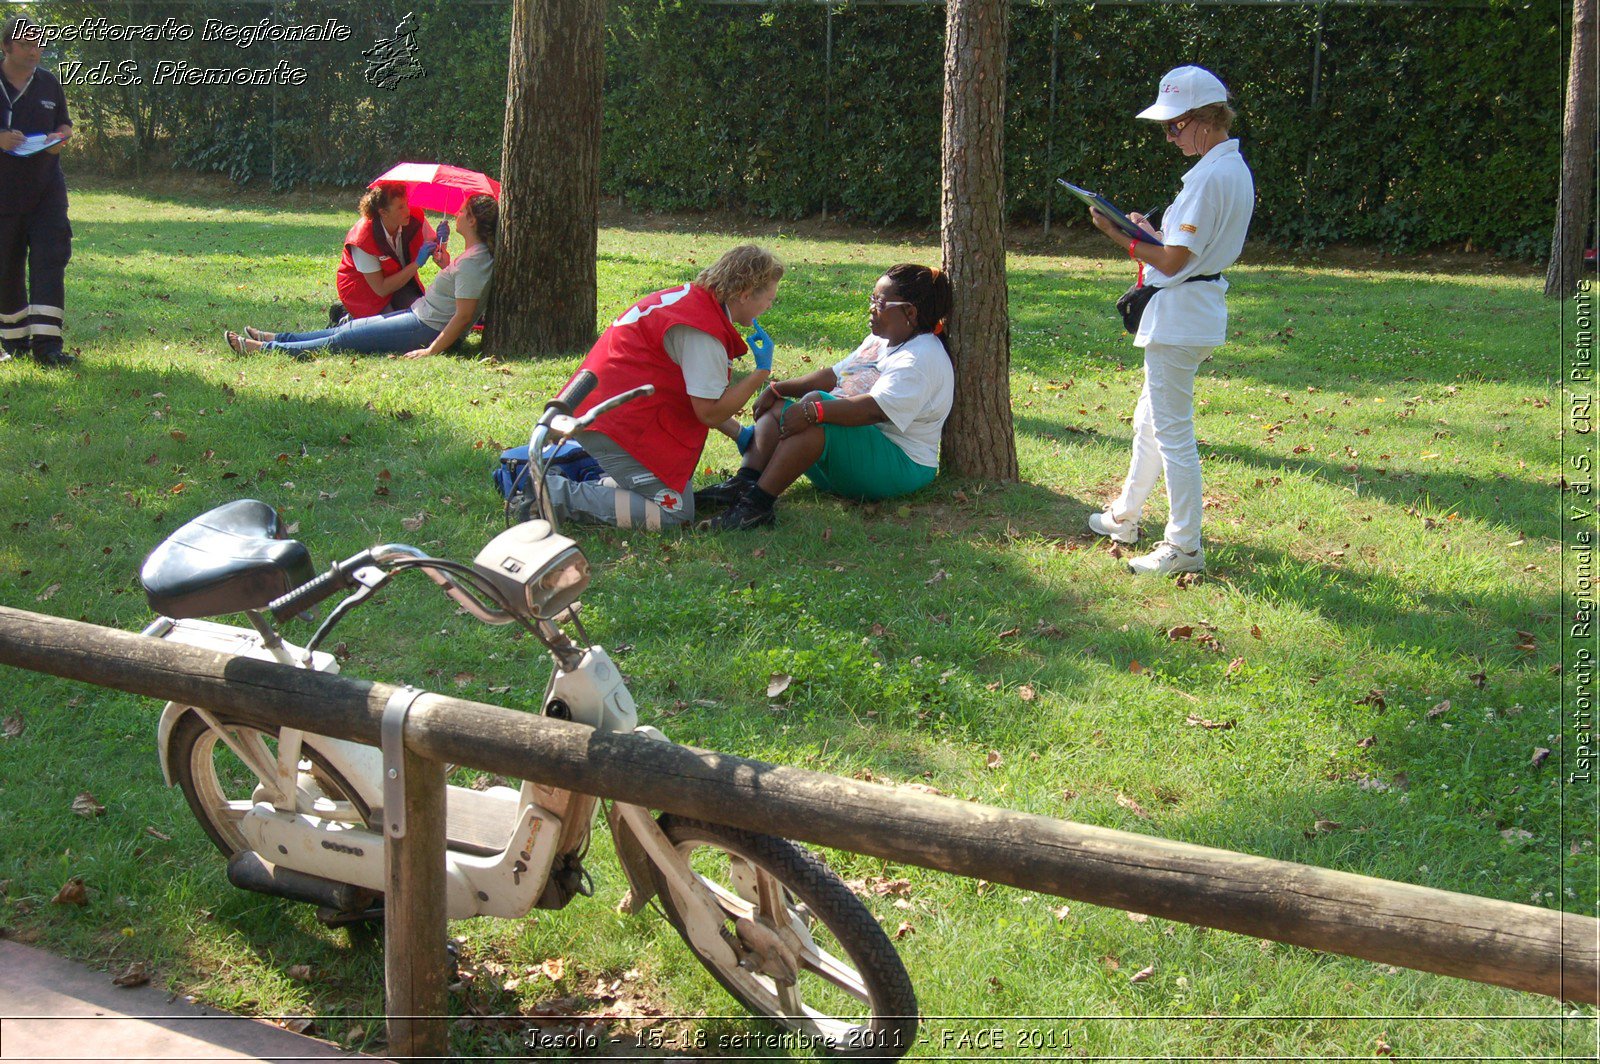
(222,774)
(815,961)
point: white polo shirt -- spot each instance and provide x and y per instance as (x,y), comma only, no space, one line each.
(1210,217)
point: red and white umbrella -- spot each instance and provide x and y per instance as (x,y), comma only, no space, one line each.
(437,186)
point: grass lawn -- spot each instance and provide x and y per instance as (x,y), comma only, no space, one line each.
(1381,452)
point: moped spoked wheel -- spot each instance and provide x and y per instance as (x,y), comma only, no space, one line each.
(815,960)
(219,775)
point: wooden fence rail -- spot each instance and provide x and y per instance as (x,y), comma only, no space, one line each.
(1543,951)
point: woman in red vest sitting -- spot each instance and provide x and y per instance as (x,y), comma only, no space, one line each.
(683,340)
(378,270)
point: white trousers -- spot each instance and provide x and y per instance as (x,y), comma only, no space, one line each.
(1163,442)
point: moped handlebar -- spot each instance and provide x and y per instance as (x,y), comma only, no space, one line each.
(310,594)
(573,395)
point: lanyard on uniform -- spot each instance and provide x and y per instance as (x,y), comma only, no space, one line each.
(12,101)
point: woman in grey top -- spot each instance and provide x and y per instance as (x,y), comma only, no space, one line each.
(430,325)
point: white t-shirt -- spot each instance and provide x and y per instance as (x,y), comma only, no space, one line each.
(1210,217)
(702,358)
(914,385)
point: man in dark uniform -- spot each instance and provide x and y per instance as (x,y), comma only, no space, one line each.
(35,238)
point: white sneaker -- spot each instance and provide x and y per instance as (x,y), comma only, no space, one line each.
(1167,560)
(1103,524)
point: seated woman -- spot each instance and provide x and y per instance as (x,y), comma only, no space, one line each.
(683,340)
(378,270)
(432,324)
(867,428)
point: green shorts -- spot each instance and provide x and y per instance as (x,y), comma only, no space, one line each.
(860,462)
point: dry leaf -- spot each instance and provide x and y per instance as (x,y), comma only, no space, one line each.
(85,805)
(778,683)
(135,974)
(936,577)
(1513,834)
(878,629)
(1539,754)
(72,892)
(1061,913)
(48,593)
(1132,806)
(1027,693)
(1322,827)
(1255,631)
(1134,667)
(1439,710)
(14,726)
(1111,963)
(153,833)
(553,968)
(1233,667)
(1181,631)
(1383,1048)
(1138,918)
(1374,699)
(1142,974)
(297,1024)
(1201,722)
(411,524)
(179,435)
(1368,743)
(302,972)
(993,760)
(1010,632)
(903,930)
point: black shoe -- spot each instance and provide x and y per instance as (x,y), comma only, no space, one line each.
(739,517)
(726,493)
(54,359)
(336,314)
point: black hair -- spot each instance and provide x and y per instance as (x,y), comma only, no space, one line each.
(925,288)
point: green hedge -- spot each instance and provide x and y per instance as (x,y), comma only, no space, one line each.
(1407,144)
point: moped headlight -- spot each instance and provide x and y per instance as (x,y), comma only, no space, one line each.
(539,573)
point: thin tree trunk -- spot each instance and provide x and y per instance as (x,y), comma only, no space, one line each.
(1577,158)
(544,283)
(978,437)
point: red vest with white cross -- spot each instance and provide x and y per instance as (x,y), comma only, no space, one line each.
(354,291)
(659,430)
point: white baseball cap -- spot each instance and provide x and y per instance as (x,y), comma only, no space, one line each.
(1182,90)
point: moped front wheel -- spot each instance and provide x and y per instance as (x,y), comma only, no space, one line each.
(813,959)
(223,773)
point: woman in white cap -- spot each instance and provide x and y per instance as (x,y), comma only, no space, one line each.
(1204,231)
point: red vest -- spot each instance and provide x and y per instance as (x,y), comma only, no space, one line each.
(354,291)
(660,430)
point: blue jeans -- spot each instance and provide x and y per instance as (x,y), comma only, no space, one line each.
(398,331)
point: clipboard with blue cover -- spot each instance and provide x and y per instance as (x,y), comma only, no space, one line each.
(1107,208)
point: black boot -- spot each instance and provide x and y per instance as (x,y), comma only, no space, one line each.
(728,492)
(53,357)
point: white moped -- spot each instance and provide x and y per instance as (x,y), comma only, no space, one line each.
(302,816)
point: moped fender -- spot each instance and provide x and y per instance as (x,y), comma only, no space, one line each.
(703,917)
(635,863)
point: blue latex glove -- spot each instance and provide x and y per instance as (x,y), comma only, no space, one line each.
(424,251)
(761,346)
(747,436)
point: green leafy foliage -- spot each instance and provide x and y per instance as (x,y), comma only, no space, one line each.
(1361,123)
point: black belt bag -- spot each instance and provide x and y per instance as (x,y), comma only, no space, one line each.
(1131,303)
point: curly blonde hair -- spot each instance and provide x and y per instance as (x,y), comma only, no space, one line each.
(740,271)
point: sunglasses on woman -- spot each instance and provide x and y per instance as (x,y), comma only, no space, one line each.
(879,303)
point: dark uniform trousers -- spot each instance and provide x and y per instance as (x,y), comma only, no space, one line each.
(35,247)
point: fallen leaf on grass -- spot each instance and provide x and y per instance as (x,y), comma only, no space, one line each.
(1201,722)
(85,805)
(411,524)
(778,683)
(179,435)
(48,593)
(1383,1048)
(1374,698)
(1061,913)
(1027,693)
(554,967)
(1323,827)
(992,761)
(1181,631)
(1009,633)
(135,974)
(1045,628)
(1111,963)
(1142,974)
(1138,918)
(936,577)
(1255,631)
(153,833)
(72,892)
(302,972)
(1439,710)
(1132,806)
(1539,755)
(1368,743)
(14,726)
(1233,667)
(1513,834)
(298,1024)
(1134,667)
(903,930)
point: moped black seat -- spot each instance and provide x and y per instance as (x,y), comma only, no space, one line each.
(228,559)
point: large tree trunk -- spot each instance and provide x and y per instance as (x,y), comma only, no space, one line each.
(978,439)
(1577,158)
(544,270)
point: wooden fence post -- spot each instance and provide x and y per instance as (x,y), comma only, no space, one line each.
(414,927)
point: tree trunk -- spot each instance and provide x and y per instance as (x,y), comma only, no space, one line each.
(544,283)
(1577,158)
(978,438)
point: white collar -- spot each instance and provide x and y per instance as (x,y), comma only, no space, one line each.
(1212,157)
